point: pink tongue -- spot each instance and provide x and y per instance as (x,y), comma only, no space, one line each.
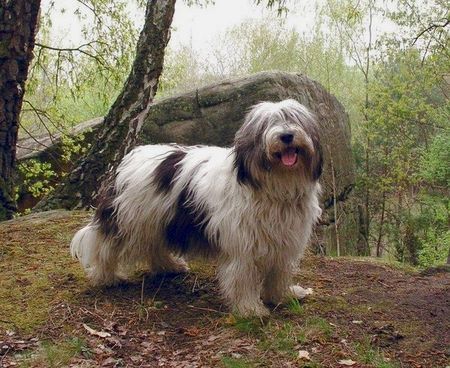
(289,157)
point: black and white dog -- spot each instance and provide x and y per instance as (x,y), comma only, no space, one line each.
(253,206)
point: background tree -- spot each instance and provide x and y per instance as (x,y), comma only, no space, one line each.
(353,22)
(18,23)
(72,81)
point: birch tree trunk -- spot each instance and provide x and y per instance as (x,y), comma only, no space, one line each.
(123,122)
(18,26)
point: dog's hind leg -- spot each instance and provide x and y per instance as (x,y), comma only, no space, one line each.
(276,285)
(162,261)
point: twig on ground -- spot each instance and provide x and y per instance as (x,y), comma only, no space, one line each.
(206,309)
(193,286)
(142,289)
(159,288)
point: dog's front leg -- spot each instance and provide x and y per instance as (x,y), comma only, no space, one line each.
(240,283)
(278,287)
(276,284)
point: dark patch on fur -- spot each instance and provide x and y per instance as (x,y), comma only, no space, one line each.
(185,233)
(244,175)
(165,172)
(313,160)
(105,215)
(317,167)
(317,157)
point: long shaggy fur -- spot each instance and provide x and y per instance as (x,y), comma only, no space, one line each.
(253,206)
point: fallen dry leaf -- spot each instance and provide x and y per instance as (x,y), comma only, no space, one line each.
(303,354)
(96,333)
(347,362)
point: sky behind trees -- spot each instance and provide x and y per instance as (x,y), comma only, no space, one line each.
(199,26)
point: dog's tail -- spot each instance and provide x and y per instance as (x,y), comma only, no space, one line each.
(84,245)
(97,254)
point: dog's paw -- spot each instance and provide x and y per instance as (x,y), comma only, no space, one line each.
(298,292)
(180,267)
(172,266)
(256,310)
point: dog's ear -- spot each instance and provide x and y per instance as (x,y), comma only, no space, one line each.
(317,160)
(250,159)
(310,125)
(243,172)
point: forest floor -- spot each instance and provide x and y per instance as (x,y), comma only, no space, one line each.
(363,313)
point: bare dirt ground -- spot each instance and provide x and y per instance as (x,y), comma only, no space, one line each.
(363,313)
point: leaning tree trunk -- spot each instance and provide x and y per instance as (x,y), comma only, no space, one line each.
(18,26)
(123,122)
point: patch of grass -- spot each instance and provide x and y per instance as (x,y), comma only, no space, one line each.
(55,355)
(368,308)
(145,307)
(250,326)
(80,347)
(370,355)
(317,328)
(230,362)
(326,304)
(285,338)
(311,364)
(295,307)
(282,338)
(36,267)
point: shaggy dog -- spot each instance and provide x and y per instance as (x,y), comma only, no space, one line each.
(252,206)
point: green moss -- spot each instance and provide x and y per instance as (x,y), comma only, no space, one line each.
(230,362)
(179,108)
(37,270)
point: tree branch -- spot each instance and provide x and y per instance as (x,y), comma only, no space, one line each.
(79,49)
(431,27)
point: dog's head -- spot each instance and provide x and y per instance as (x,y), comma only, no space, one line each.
(279,137)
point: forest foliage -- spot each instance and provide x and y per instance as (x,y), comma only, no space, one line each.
(395,86)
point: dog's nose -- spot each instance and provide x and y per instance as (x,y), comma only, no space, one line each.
(287,137)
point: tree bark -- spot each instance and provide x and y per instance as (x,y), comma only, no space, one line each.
(380,231)
(362,245)
(18,27)
(117,136)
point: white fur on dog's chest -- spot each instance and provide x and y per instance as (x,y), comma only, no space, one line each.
(278,231)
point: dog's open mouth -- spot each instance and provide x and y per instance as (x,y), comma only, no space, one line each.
(288,157)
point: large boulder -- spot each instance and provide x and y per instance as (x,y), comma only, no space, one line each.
(212,114)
